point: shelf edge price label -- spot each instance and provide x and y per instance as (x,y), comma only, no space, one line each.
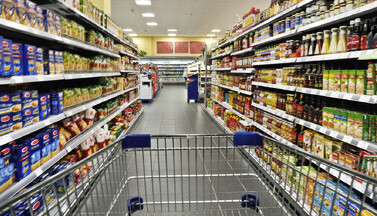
(364,98)
(322,130)
(347,96)
(335,94)
(347,139)
(363,145)
(333,134)
(38,171)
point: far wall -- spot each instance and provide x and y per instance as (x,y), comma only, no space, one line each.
(149,44)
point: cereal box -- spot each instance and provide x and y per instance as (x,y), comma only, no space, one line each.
(7,58)
(32,14)
(17,59)
(9,10)
(337,119)
(39,61)
(29,60)
(48,62)
(360,82)
(352,81)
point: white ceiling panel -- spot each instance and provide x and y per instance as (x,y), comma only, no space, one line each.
(189,17)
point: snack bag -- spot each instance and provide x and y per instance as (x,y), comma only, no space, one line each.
(71,126)
(80,122)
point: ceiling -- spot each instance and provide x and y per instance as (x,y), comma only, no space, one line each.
(189,17)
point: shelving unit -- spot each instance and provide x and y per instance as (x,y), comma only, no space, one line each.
(172,73)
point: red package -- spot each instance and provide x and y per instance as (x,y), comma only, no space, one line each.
(86,148)
(78,153)
(71,126)
(107,137)
(90,114)
(100,138)
(80,123)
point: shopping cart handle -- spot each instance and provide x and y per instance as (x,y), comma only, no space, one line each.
(251,201)
(247,138)
(137,141)
(135,204)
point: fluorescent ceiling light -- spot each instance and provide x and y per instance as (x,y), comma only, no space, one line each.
(152,23)
(172,30)
(172,35)
(133,35)
(216,30)
(143,2)
(211,35)
(147,14)
(127,30)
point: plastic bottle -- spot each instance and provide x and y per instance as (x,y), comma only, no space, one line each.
(318,48)
(356,35)
(349,35)
(364,34)
(373,30)
(342,42)
(326,42)
(334,40)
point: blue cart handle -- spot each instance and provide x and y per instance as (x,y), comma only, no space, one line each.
(247,138)
(135,204)
(251,201)
(137,141)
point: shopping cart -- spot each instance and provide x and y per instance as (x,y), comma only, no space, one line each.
(158,175)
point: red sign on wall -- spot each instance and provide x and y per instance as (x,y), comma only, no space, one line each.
(181,47)
(165,47)
(196,47)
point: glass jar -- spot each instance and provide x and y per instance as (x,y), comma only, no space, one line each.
(318,48)
(336,3)
(332,12)
(293,22)
(336,10)
(334,40)
(342,8)
(313,44)
(327,14)
(322,7)
(287,23)
(356,3)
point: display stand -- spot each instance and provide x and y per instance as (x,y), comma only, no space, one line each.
(192,88)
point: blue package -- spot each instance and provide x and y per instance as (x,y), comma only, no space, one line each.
(29,60)
(67,183)
(7,58)
(21,151)
(54,141)
(57,103)
(10,102)
(48,62)
(6,153)
(35,152)
(29,99)
(6,175)
(1,54)
(17,59)
(44,138)
(22,168)
(43,106)
(49,104)
(27,116)
(39,61)
(6,123)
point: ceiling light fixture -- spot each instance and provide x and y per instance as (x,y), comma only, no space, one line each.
(133,35)
(128,30)
(211,35)
(152,23)
(172,30)
(216,30)
(147,14)
(143,2)
(172,35)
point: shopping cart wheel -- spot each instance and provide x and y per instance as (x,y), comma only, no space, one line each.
(251,201)
(135,204)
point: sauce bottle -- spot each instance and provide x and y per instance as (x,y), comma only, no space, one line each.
(364,34)
(342,42)
(349,35)
(300,107)
(307,44)
(356,35)
(313,43)
(312,75)
(302,51)
(371,34)
(311,109)
(326,42)
(334,40)
(300,137)
(319,78)
(307,76)
(305,114)
(319,44)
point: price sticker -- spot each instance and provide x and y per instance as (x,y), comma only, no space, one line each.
(347,139)
(322,130)
(363,145)
(348,96)
(364,98)
(6,138)
(333,134)
(335,94)
(38,171)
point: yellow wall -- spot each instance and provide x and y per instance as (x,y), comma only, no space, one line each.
(104,5)
(149,44)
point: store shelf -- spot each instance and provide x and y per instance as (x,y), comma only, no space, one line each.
(173,82)
(171,73)
(244,70)
(205,76)
(240,52)
(274,135)
(222,55)
(128,54)
(89,75)
(275,86)
(5,139)
(233,88)
(64,9)
(88,47)
(222,45)
(129,71)
(226,105)
(274,39)
(281,61)
(277,112)
(366,145)
(372,99)
(70,145)
(218,120)
(222,69)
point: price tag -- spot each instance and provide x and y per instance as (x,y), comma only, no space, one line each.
(364,98)
(313,126)
(347,96)
(323,93)
(347,139)
(38,171)
(333,134)
(335,94)
(47,122)
(5,139)
(322,129)
(363,145)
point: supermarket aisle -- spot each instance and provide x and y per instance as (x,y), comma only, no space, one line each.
(170,113)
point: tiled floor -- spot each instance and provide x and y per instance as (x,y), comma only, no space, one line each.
(169,113)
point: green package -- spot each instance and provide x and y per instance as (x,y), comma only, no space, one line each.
(330,116)
(344,81)
(360,82)
(325,80)
(337,119)
(343,121)
(352,81)
(372,128)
